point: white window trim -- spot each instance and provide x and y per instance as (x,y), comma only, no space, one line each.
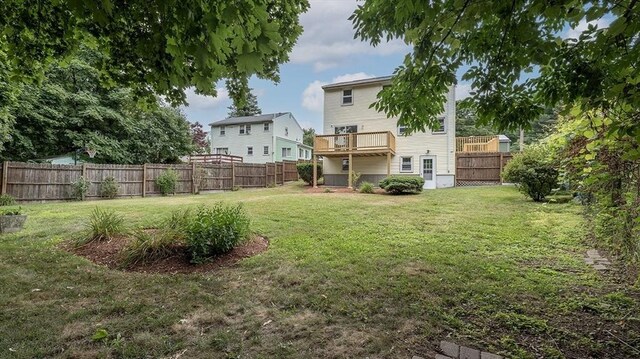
(398,130)
(244,130)
(342,164)
(266,127)
(223,130)
(342,97)
(249,147)
(406,171)
(265,148)
(444,125)
(284,152)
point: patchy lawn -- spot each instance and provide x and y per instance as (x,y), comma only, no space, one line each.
(346,275)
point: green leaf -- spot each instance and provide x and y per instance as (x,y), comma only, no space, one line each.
(100,334)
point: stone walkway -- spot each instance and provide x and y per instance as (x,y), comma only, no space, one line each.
(454,351)
(597,261)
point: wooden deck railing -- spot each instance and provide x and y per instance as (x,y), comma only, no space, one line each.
(380,142)
(478,144)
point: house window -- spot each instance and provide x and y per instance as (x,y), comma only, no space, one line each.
(441,125)
(402,130)
(347,97)
(300,153)
(266,127)
(222,151)
(223,130)
(306,154)
(345,164)
(406,164)
(286,131)
(245,129)
(286,152)
(265,150)
(250,151)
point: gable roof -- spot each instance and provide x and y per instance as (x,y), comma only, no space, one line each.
(248,119)
(354,83)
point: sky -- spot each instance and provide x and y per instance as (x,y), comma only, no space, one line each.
(325,53)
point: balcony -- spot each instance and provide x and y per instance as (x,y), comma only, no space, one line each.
(356,144)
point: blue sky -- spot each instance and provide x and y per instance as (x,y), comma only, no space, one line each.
(325,53)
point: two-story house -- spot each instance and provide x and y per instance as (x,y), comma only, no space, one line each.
(261,138)
(359,139)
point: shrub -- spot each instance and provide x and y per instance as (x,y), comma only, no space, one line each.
(7,200)
(149,246)
(80,188)
(12,212)
(402,184)
(178,221)
(166,182)
(305,171)
(366,187)
(104,224)
(109,188)
(533,172)
(216,230)
(355,177)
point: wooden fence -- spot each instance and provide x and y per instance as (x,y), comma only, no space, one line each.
(28,182)
(477,169)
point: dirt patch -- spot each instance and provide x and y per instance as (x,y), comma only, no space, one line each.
(107,253)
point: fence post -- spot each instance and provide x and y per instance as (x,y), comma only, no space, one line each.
(193,177)
(266,175)
(233,175)
(500,174)
(275,173)
(84,170)
(5,170)
(144,180)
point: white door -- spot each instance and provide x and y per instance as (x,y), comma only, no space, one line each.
(428,171)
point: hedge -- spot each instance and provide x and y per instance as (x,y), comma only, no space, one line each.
(402,184)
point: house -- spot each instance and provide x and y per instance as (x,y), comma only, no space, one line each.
(360,139)
(260,138)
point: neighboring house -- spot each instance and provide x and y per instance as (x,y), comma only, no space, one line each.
(365,141)
(261,138)
(64,159)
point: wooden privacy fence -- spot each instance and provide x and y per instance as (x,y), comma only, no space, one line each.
(478,169)
(47,182)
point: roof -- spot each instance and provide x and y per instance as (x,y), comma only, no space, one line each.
(503,138)
(362,82)
(248,119)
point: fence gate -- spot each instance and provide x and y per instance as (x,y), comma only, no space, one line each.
(480,169)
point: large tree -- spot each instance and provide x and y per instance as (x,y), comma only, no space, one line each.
(71,109)
(159,46)
(249,106)
(308,136)
(517,55)
(200,138)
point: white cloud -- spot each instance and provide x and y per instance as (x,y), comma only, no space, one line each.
(202,102)
(327,40)
(313,95)
(583,25)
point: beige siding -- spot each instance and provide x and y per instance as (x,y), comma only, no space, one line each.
(368,120)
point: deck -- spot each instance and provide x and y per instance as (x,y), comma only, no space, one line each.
(379,143)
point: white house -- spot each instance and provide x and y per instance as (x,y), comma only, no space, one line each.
(365,141)
(261,138)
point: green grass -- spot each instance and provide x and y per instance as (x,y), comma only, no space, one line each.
(346,275)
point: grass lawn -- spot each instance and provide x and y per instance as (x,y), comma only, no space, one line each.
(346,275)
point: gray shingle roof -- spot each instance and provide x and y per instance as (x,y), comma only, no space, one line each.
(358,82)
(247,119)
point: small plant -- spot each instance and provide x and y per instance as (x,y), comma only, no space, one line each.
(533,172)
(148,246)
(7,200)
(167,181)
(109,188)
(355,177)
(104,224)
(305,171)
(80,188)
(178,221)
(12,212)
(216,230)
(402,184)
(328,190)
(366,187)
(235,188)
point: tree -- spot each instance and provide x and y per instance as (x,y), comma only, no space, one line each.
(162,46)
(71,109)
(518,61)
(308,135)
(248,108)
(200,138)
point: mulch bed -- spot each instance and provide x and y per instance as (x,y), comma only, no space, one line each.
(107,253)
(322,189)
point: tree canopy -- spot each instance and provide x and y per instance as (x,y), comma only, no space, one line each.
(308,136)
(160,46)
(517,56)
(249,106)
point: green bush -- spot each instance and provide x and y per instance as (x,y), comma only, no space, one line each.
(402,184)
(216,230)
(7,200)
(533,172)
(104,224)
(167,181)
(178,221)
(80,188)
(305,171)
(366,187)
(109,188)
(148,246)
